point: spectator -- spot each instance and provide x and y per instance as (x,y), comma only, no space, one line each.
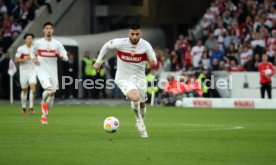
(206,59)
(175,61)
(220,30)
(234,67)
(71,70)
(258,44)
(231,38)
(166,60)
(271,48)
(231,53)
(217,54)
(196,53)
(3,7)
(227,19)
(16,29)
(244,54)
(191,37)
(89,73)
(215,64)
(211,42)
(250,64)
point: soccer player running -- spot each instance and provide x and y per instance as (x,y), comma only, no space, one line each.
(27,74)
(266,70)
(45,53)
(132,54)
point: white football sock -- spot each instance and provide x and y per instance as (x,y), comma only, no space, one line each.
(24,99)
(143,111)
(32,98)
(45,95)
(50,101)
(136,108)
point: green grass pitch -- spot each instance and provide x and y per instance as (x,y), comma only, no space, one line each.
(75,135)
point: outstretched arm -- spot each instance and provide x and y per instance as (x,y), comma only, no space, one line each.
(112,44)
(151,56)
(62,53)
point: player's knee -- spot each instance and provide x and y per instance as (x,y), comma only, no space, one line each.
(25,90)
(51,91)
(135,99)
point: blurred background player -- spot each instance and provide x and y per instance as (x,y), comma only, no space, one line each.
(266,70)
(132,54)
(27,73)
(45,53)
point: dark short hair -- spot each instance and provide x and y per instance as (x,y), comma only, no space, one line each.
(134,26)
(48,23)
(28,34)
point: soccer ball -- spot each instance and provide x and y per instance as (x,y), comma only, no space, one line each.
(178,103)
(111,124)
(268,72)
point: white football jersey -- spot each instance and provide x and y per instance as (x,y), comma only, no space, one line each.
(131,59)
(27,66)
(46,54)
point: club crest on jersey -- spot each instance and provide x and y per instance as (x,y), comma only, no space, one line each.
(132,52)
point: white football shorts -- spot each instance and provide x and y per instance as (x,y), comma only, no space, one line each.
(127,85)
(27,78)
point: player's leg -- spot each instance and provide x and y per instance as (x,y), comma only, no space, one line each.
(32,93)
(134,96)
(143,100)
(131,92)
(143,109)
(48,92)
(269,89)
(24,93)
(262,91)
(50,101)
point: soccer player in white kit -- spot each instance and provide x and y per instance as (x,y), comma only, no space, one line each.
(27,74)
(132,54)
(45,53)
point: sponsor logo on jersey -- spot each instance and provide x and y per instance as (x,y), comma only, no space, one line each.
(135,58)
(47,53)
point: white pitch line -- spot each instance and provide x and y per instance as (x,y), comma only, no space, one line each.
(197,127)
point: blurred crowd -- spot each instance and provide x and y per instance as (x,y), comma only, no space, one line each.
(14,16)
(235,34)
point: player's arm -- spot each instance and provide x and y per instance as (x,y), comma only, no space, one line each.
(151,56)
(272,69)
(112,44)
(61,52)
(18,57)
(34,54)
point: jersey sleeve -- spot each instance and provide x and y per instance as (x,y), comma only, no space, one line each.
(18,53)
(112,44)
(62,51)
(150,53)
(272,69)
(34,50)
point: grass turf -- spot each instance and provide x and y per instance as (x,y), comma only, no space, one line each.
(74,135)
